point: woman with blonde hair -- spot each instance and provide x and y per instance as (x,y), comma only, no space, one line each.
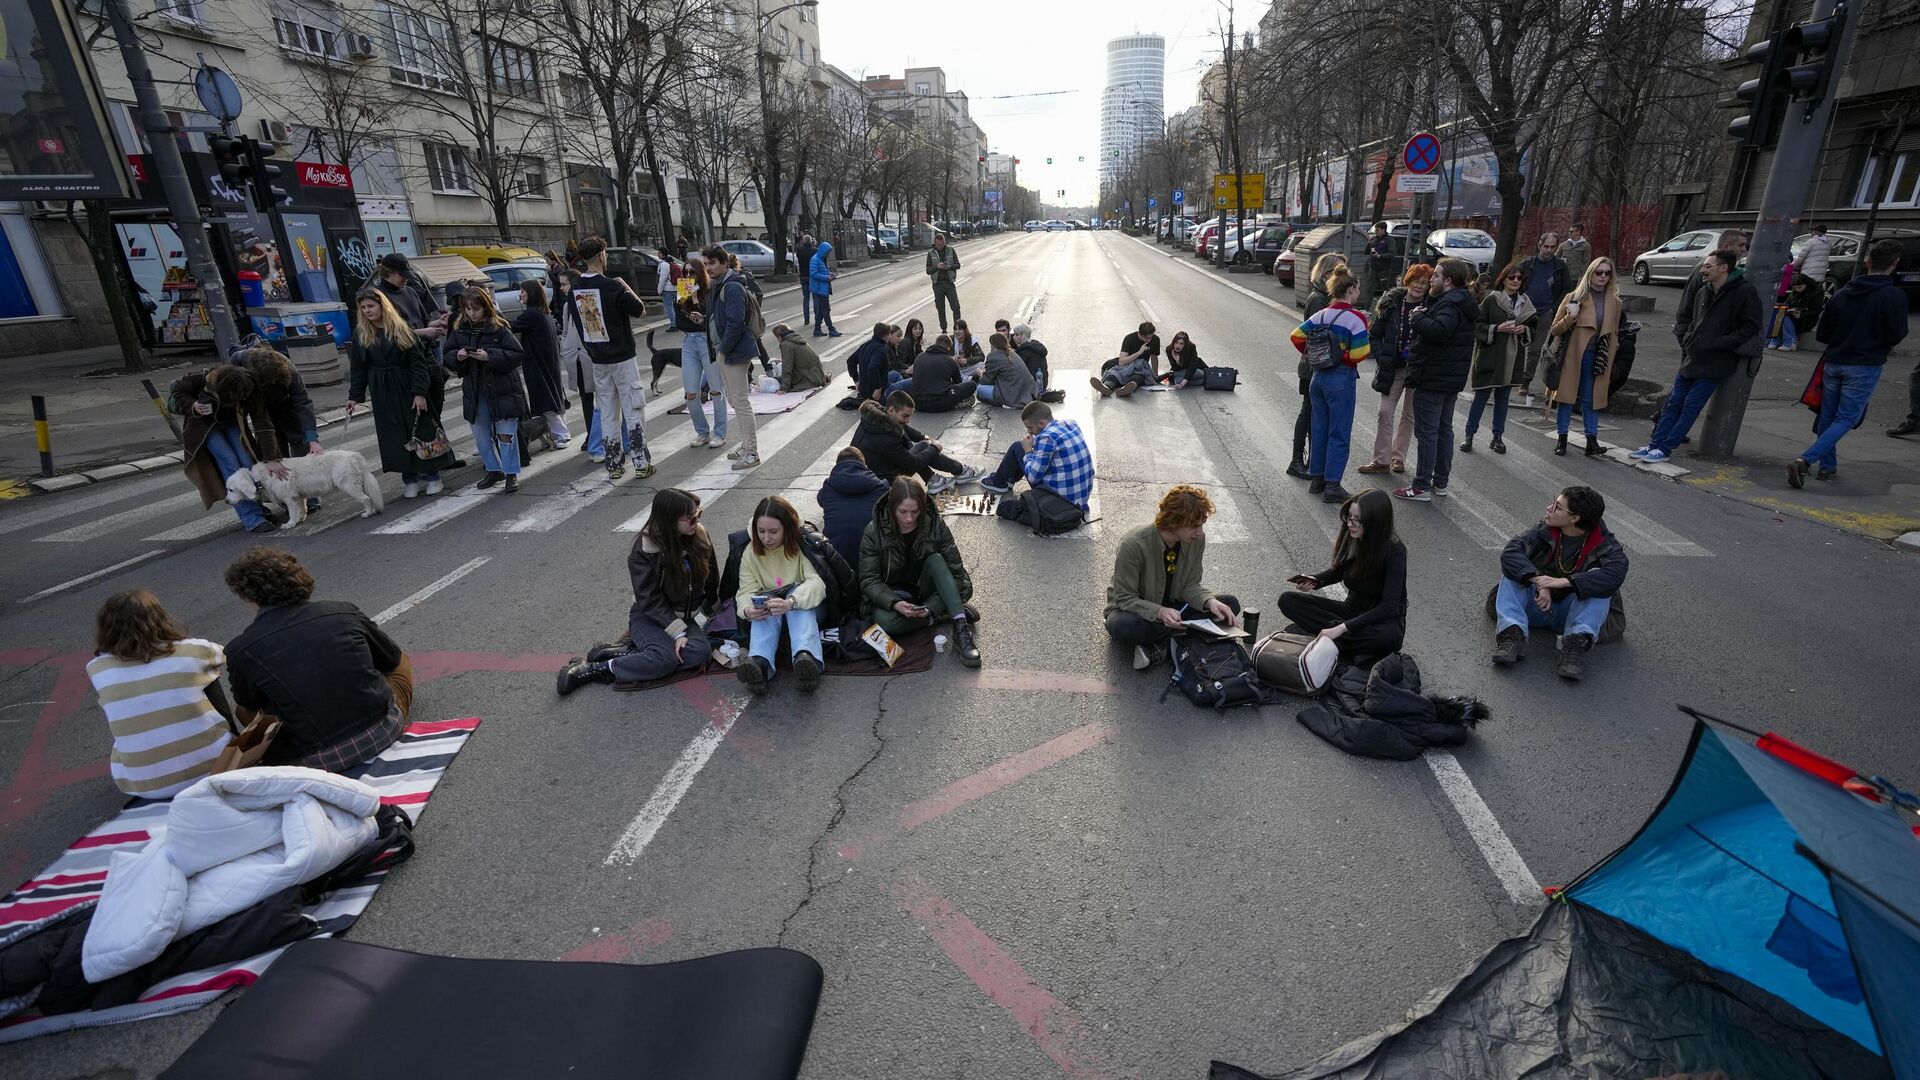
(1587,325)
(484,353)
(389,367)
(157,687)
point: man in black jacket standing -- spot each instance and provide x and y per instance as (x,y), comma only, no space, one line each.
(1859,327)
(1548,280)
(1437,370)
(1561,575)
(1728,325)
(1731,240)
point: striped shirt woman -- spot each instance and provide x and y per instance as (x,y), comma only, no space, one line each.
(153,684)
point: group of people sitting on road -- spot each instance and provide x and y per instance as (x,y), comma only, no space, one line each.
(952,371)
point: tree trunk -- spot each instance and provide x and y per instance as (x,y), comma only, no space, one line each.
(1511,185)
(116,288)
(669,236)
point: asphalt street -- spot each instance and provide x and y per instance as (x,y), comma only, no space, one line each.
(1033,869)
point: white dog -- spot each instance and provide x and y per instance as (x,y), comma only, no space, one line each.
(315,474)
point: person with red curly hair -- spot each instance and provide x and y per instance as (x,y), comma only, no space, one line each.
(1158,578)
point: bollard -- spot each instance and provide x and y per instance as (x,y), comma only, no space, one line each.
(40,435)
(153,395)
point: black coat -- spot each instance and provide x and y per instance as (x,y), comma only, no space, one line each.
(1541,550)
(886,442)
(388,378)
(1034,355)
(846,501)
(1728,326)
(1442,354)
(498,376)
(1382,714)
(538,334)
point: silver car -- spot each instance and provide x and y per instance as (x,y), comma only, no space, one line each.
(506,278)
(755,257)
(1675,260)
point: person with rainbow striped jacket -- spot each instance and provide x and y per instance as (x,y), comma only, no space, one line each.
(1334,341)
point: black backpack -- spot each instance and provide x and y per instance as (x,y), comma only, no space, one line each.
(1216,672)
(843,585)
(1045,511)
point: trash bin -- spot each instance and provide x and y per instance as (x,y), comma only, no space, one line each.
(252,292)
(319,361)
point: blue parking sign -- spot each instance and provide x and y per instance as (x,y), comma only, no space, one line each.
(1179,196)
(1152,202)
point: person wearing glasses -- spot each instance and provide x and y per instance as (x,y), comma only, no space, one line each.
(1561,575)
(1507,321)
(675,576)
(1588,327)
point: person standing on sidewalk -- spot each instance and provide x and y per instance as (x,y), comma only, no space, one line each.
(1727,328)
(1732,240)
(1575,250)
(734,327)
(1587,323)
(1860,326)
(1507,318)
(606,307)
(1436,373)
(1548,279)
(1391,331)
(1331,395)
(943,264)
(803,256)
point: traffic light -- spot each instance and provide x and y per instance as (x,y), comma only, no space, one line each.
(266,194)
(1795,65)
(230,160)
(1813,44)
(1049,161)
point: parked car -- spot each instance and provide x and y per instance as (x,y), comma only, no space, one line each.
(1036,226)
(1204,234)
(1079,224)
(1674,260)
(1268,243)
(1237,242)
(487,254)
(1845,260)
(885,241)
(506,279)
(1471,245)
(639,267)
(755,257)
(1056,225)
(1283,263)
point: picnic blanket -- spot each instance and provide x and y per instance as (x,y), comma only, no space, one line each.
(404,775)
(918,658)
(764,404)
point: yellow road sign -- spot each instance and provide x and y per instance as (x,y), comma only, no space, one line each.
(1252,189)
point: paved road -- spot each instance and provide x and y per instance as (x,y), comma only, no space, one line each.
(1037,868)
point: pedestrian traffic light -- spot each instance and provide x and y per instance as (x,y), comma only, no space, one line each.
(230,160)
(1083,158)
(266,193)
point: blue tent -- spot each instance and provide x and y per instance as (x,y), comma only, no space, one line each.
(1764,922)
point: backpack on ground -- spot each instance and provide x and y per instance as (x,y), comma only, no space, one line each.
(1045,511)
(843,585)
(1215,672)
(1322,353)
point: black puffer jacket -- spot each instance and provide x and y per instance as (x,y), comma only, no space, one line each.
(1729,323)
(1600,571)
(1382,714)
(886,442)
(1442,355)
(498,376)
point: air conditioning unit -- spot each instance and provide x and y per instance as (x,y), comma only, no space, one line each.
(359,48)
(275,132)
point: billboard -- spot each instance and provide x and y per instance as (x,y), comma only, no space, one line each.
(55,142)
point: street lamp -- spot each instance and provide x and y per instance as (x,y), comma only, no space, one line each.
(773,209)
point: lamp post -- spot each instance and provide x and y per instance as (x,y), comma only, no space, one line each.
(773,207)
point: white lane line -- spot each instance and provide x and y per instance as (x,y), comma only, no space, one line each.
(1079,408)
(852,311)
(1480,518)
(213,521)
(1124,279)
(1502,857)
(14,522)
(420,597)
(674,786)
(83,579)
(806,490)
(1638,530)
(98,527)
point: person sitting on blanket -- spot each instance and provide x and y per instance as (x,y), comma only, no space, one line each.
(160,690)
(846,502)
(1054,455)
(1158,578)
(799,365)
(779,586)
(340,687)
(871,365)
(936,383)
(675,577)
(894,448)
(911,573)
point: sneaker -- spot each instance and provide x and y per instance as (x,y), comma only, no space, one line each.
(1573,656)
(262,527)
(715,442)
(1509,647)
(1335,494)
(560,444)
(1826,474)
(1412,494)
(806,667)
(410,490)
(833,333)
(579,673)
(698,442)
(1141,659)
(996,486)
(1527,402)
(1654,456)
(645,469)
(745,461)
(1797,473)
(1641,452)
(754,672)
(1373,468)
(1441,492)
(490,479)
(597,459)
(616,469)
(1126,389)
(970,475)
(1100,384)
(734,454)
(939,484)
(435,487)
(1399,465)
(963,644)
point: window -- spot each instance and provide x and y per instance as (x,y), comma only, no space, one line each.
(448,170)
(575,95)
(184,10)
(922,89)
(1895,178)
(533,178)
(418,47)
(306,31)
(749,201)
(512,69)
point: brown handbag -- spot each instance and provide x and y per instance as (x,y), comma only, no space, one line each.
(249,745)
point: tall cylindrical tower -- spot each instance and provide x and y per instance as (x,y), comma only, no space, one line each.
(1133,106)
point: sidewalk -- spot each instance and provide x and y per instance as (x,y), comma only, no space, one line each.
(102,425)
(1877,490)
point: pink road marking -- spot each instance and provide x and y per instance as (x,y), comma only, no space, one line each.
(23,657)
(1056,1030)
(428,666)
(1002,774)
(1054,682)
(630,944)
(723,712)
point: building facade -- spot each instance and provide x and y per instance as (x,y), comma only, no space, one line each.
(1133,105)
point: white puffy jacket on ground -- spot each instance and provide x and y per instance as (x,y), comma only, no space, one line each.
(232,840)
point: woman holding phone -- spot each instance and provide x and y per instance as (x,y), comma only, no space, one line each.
(484,353)
(911,573)
(1371,622)
(779,587)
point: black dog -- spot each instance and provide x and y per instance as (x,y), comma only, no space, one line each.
(662,359)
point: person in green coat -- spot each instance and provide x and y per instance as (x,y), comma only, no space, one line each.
(388,365)
(911,573)
(799,365)
(1507,321)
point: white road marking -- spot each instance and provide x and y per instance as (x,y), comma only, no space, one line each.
(444,508)
(420,597)
(83,579)
(674,786)
(63,507)
(217,519)
(98,527)
(1639,531)
(1502,857)
(1079,408)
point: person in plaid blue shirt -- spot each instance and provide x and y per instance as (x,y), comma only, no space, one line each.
(1054,455)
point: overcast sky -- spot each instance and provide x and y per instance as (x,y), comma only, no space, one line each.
(1008,47)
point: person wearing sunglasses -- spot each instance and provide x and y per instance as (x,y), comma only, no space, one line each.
(1587,325)
(1507,320)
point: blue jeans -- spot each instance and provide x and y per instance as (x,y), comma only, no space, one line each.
(1569,615)
(1331,395)
(697,371)
(1788,338)
(1475,411)
(495,440)
(803,634)
(1683,405)
(985,393)
(1844,394)
(230,455)
(1589,418)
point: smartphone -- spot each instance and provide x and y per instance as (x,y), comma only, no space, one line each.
(760,600)
(1302,580)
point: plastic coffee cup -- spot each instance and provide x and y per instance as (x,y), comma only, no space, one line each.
(940,643)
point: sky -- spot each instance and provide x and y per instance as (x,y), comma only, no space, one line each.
(993,48)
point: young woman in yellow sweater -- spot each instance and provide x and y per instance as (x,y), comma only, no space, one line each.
(778,586)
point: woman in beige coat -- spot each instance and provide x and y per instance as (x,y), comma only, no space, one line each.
(1587,324)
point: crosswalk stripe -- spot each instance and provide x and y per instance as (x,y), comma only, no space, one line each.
(67,507)
(1480,518)
(1637,530)
(1175,456)
(445,508)
(98,527)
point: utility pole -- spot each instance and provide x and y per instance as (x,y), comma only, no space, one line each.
(1805,93)
(171,170)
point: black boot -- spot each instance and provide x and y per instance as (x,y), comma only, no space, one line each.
(1498,445)
(579,673)
(807,668)
(1466,445)
(1594,449)
(1509,646)
(963,644)
(1573,656)
(755,673)
(490,479)
(1560,447)
(1318,486)
(604,651)
(1297,468)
